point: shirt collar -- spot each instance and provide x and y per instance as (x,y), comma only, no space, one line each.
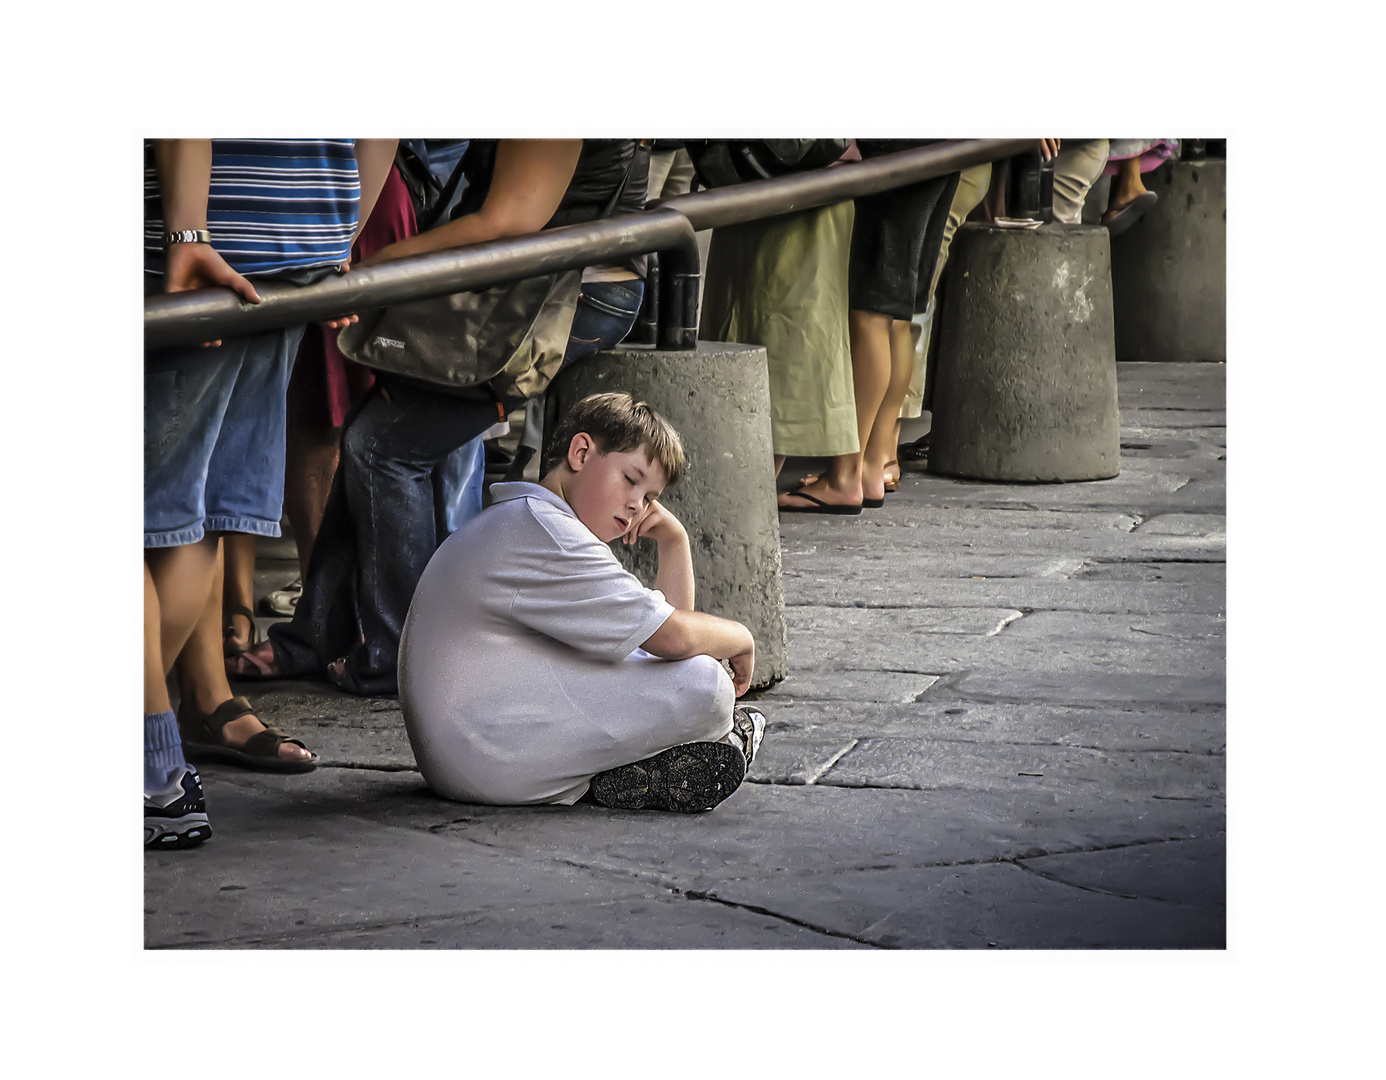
(522,489)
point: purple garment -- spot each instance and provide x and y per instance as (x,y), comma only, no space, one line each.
(1152,152)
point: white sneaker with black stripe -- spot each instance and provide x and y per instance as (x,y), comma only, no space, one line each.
(283,601)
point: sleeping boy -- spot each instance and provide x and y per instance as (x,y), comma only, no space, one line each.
(534,669)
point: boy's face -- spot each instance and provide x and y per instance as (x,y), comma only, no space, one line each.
(609,491)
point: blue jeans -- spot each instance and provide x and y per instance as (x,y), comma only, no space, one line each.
(458,485)
(377,534)
(380,527)
(606,311)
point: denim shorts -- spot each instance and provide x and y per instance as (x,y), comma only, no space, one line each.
(214,438)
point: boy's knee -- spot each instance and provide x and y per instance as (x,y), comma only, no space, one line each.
(713,698)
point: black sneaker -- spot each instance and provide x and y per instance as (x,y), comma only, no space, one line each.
(685,779)
(177,818)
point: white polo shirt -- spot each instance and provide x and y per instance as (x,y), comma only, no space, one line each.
(520,674)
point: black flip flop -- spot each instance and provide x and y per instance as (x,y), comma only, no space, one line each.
(1131,213)
(821,507)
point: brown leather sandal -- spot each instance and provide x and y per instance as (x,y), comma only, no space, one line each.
(204,740)
(230,648)
(893,485)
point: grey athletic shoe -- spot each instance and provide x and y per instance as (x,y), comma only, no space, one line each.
(177,816)
(685,779)
(748,723)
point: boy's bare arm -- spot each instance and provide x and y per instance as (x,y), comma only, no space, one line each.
(675,576)
(692,633)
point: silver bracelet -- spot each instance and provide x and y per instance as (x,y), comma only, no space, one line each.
(187,236)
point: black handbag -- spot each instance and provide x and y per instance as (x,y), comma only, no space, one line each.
(720,162)
(510,338)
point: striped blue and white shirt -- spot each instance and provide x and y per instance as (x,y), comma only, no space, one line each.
(274,204)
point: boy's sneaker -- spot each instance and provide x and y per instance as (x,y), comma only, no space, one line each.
(748,724)
(283,601)
(177,816)
(685,779)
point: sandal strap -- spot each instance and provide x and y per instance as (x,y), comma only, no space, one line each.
(231,709)
(266,743)
(228,628)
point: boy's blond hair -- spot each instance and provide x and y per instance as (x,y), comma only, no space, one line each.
(618,424)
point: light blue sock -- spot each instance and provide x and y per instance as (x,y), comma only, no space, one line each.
(163,750)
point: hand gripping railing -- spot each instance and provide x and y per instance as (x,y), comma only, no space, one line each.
(667,228)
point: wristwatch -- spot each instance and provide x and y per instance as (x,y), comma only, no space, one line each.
(187,236)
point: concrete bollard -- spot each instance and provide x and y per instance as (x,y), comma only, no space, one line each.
(1026,377)
(718,398)
(1169,270)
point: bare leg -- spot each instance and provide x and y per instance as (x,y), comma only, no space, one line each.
(155,688)
(310,464)
(892,466)
(843,481)
(1126,184)
(202,672)
(238,552)
(880,442)
(872,376)
(180,577)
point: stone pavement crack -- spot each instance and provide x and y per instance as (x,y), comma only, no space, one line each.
(696,894)
(816,775)
(368,766)
(1085,888)
(1033,853)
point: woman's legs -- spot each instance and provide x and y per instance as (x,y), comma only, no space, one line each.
(851,477)
(882,439)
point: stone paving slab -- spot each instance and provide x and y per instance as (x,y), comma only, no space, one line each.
(1050,655)
(814,859)
(1068,774)
(1190,872)
(311,854)
(1004,906)
(1029,723)
(1169,386)
(798,759)
(284,865)
(1171,488)
(860,582)
(645,922)
(823,637)
(886,686)
(814,562)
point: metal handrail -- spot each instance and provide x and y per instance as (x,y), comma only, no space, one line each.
(205,314)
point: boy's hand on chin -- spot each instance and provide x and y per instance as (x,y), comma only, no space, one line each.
(657,523)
